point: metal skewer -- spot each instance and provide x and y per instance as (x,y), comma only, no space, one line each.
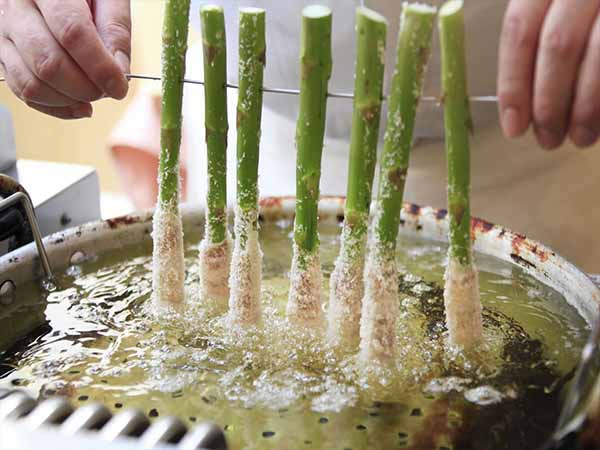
(274,90)
(485,98)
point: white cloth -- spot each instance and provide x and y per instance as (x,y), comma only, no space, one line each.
(277,159)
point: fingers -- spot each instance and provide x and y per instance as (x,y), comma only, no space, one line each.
(55,59)
(26,86)
(518,46)
(563,41)
(76,111)
(113,21)
(548,70)
(585,117)
(24,83)
(71,24)
(46,59)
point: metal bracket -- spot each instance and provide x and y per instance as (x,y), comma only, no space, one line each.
(22,198)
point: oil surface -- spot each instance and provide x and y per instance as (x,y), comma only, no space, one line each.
(277,388)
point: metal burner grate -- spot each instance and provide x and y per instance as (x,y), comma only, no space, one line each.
(55,419)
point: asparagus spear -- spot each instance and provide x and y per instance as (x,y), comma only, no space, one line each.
(244,303)
(380,303)
(347,278)
(215,94)
(215,249)
(304,304)
(414,45)
(461,291)
(168,267)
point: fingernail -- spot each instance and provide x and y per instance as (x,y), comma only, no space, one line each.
(123,61)
(511,122)
(584,137)
(82,110)
(547,138)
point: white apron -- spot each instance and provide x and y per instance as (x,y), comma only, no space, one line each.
(277,157)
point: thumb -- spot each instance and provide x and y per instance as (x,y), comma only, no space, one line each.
(113,22)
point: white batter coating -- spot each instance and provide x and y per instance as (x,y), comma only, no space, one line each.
(463,305)
(345,302)
(380,309)
(168,271)
(246,273)
(304,305)
(215,261)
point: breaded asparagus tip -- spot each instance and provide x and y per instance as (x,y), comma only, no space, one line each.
(461,294)
(215,249)
(380,303)
(346,284)
(304,304)
(167,265)
(245,277)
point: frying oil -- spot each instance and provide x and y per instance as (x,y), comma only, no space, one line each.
(276,387)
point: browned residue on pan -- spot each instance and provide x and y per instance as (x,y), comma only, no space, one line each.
(412,209)
(483,226)
(520,243)
(441,214)
(123,220)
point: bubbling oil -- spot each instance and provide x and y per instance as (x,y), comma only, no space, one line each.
(276,387)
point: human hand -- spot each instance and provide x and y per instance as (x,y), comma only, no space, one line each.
(549,71)
(60,55)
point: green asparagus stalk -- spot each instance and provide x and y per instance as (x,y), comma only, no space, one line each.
(380,310)
(304,305)
(368,92)
(168,264)
(414,45)
(215,110)
(457,120)
(315,57)
(346,280)
(461,290)
(245,278)
(215,248)
(175,33)
(252,61)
